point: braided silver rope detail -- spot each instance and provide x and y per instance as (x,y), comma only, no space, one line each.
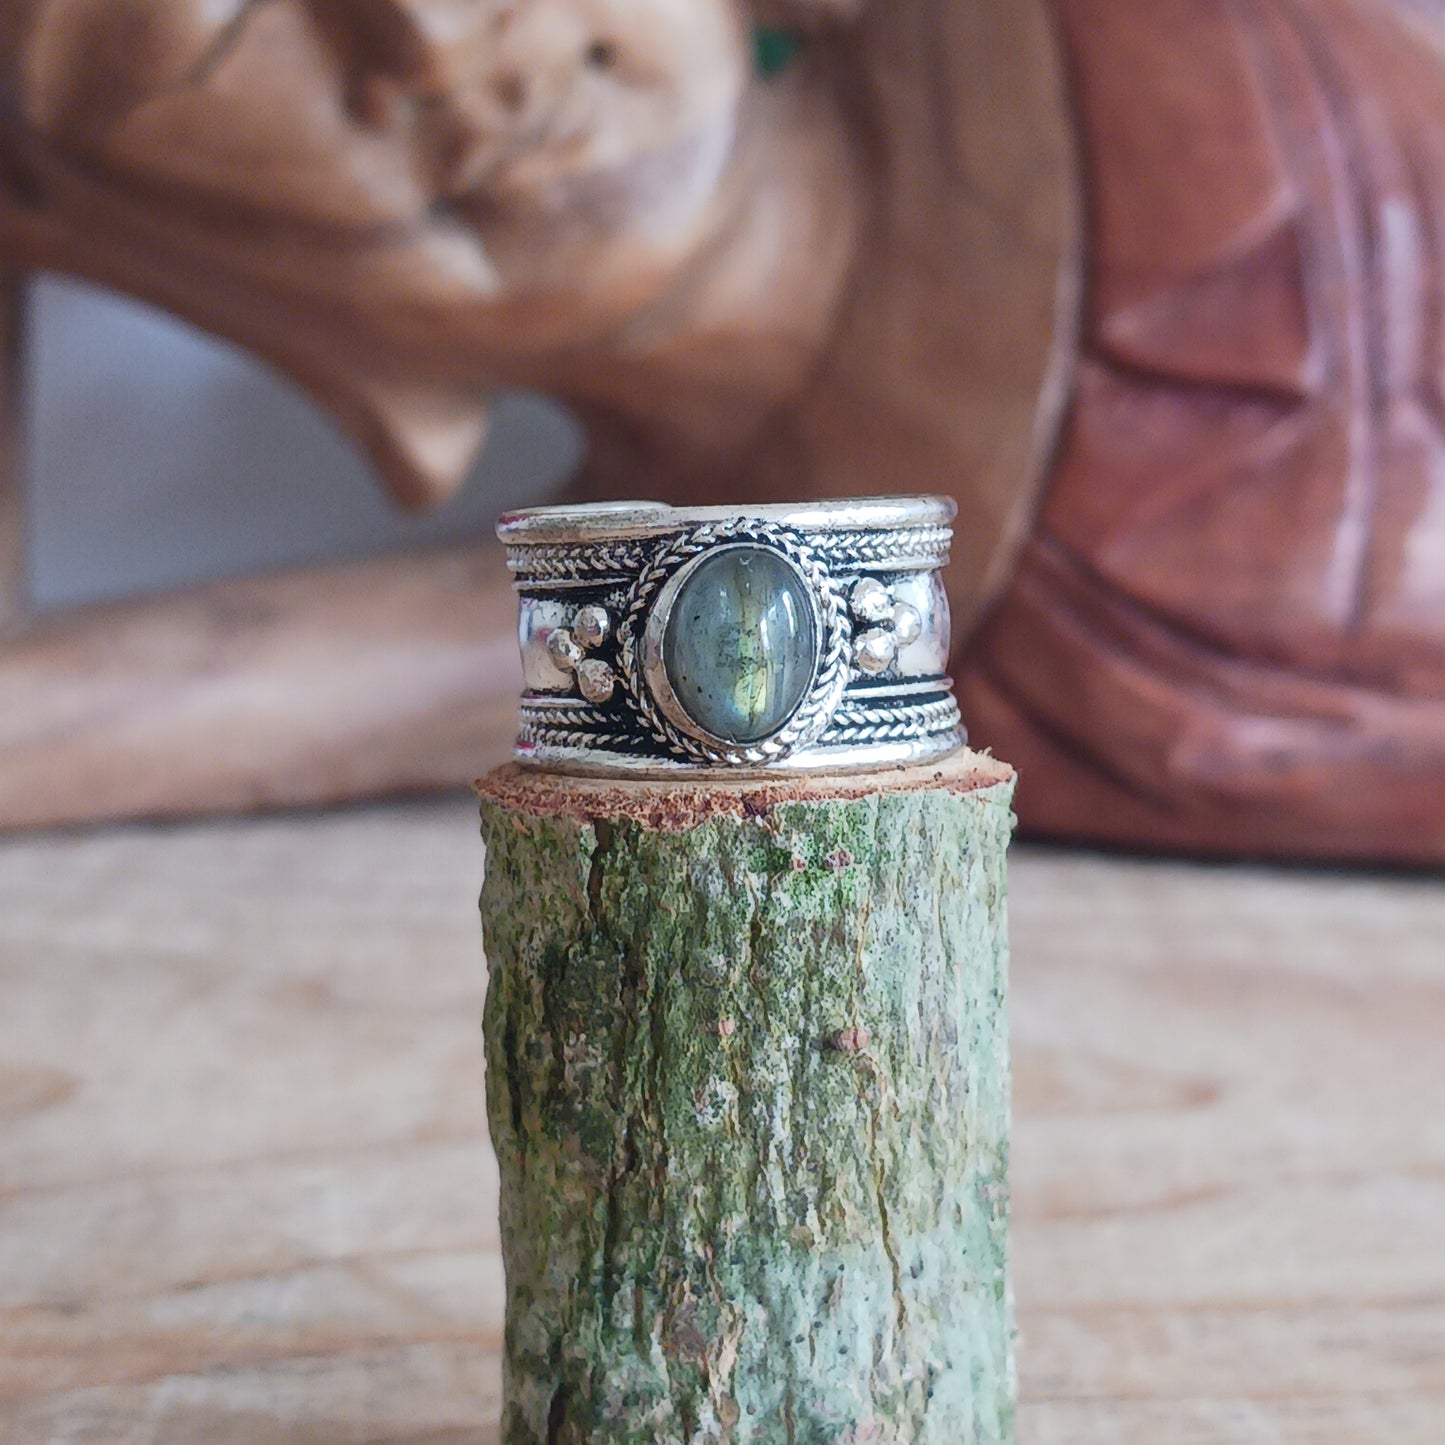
(623,558)
(578,562)
(572,564)
(859,723)
(812,716)
(564,714)
(573,725)
(920,546)
(568,725)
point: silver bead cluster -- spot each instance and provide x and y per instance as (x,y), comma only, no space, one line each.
(568,648)
(598,589)
(882,626)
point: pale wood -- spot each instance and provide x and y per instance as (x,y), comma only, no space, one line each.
(12,489)
(862,270)
(1205,614)
(306,687)
(858,276)
(245,1193)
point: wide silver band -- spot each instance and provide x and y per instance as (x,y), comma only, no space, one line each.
(598,585)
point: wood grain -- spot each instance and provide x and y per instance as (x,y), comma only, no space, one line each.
(745,285)
(1152,287)
(245,1192)
(389,676)
(12,491)
(1226,633)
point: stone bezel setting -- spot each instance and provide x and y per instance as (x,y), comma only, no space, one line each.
(657,662)
(643,629)
(739,643)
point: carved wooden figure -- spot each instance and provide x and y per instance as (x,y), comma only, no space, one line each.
(1153,287)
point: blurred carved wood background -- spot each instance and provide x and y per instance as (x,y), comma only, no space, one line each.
(12,521)
(1152,287)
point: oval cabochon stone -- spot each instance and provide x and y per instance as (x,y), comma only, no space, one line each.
(741,646)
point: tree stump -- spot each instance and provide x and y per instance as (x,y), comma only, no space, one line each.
(748,1082)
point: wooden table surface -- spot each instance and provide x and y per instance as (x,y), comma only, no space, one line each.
(246,1194)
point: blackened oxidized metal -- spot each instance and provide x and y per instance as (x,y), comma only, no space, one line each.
(809,637)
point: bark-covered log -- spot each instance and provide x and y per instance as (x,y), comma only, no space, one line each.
(747,1078)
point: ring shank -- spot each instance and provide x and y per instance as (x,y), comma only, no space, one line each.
(891,703)
(593,523)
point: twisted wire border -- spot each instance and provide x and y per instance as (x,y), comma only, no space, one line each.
(863,724)
(925,544)
(621,559)
(576,725)
(576,561)
(812,717)
(580,726)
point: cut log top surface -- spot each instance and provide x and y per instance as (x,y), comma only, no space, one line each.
(673,804)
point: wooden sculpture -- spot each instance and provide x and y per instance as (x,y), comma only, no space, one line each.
(1153,287)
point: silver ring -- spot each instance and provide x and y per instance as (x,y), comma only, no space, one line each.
(662,639)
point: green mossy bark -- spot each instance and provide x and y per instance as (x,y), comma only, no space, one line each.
(748,1085)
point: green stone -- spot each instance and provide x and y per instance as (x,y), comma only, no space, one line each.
(741,646)
(774,50)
